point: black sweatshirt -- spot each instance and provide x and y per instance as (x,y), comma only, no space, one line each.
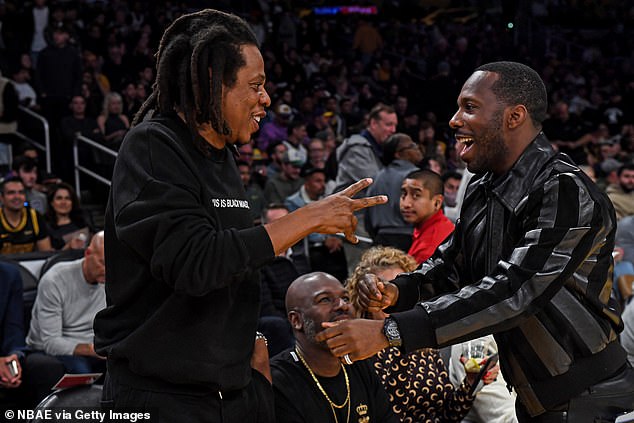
(181,265)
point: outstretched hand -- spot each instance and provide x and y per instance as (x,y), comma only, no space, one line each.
(331,215)
(337,210)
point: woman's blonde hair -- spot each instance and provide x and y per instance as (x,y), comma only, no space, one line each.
(373,260)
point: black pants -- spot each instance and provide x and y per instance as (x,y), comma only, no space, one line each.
(601,403)
(253,404)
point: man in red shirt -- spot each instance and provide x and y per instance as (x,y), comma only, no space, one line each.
(421,205)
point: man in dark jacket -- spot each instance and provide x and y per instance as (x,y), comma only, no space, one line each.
(531,255)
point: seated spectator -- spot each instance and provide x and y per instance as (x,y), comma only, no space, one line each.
(22,229)
(112,122)
(255,195)
(625,237)
(384,222)
(131,102)
(11,330)
(451,184)
(316,154)
(325,252)
(33,374)
(493,402)
(622,193)
(26,168)
(402,374)
(275,129)
(275,151)
(434,163)
(421,205)
(67,226)
(296,138)
(287,182)
(69,296)
(311,384)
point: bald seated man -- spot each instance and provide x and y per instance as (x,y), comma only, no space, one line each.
(311,384)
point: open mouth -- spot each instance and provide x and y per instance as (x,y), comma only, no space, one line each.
(466,142)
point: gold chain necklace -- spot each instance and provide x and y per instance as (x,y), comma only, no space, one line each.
(332,404)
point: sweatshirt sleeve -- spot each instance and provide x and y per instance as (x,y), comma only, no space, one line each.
(48,307)
(160,215)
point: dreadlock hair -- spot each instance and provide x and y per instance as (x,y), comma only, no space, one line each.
(198,54)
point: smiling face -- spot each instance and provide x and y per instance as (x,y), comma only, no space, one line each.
(13,196)
(62,202)
(243,104)
(316,298)
(478,126)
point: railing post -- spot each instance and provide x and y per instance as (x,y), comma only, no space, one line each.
(47,136)
(76,165)
(79,169)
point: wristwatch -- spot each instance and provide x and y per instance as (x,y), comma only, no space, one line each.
(391,332)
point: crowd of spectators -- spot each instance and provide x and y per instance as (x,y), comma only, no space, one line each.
(87,66)
(103,52)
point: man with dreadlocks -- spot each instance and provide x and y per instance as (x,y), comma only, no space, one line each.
(182,258)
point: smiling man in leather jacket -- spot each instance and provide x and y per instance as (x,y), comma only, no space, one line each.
(529,261)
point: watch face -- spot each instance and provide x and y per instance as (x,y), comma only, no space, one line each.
(391,333)
(392,330)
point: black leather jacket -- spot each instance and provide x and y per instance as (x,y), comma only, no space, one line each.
(531,257)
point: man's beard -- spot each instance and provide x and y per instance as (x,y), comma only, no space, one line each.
(311,330)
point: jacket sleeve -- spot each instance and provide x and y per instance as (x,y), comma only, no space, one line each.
(357,162)
(561,227)
(13,321)
(159,214)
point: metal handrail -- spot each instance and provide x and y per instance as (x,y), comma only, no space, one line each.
(47,137)
(79,168)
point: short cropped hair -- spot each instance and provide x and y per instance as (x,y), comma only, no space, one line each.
(431,180)
(375,112)
(626,166)
(519,84)
(272,206)
(8,181)
(25,163)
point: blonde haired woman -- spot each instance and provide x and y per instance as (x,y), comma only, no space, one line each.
(112,122)
(417,383)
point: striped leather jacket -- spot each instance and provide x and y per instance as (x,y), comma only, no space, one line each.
(529,261)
